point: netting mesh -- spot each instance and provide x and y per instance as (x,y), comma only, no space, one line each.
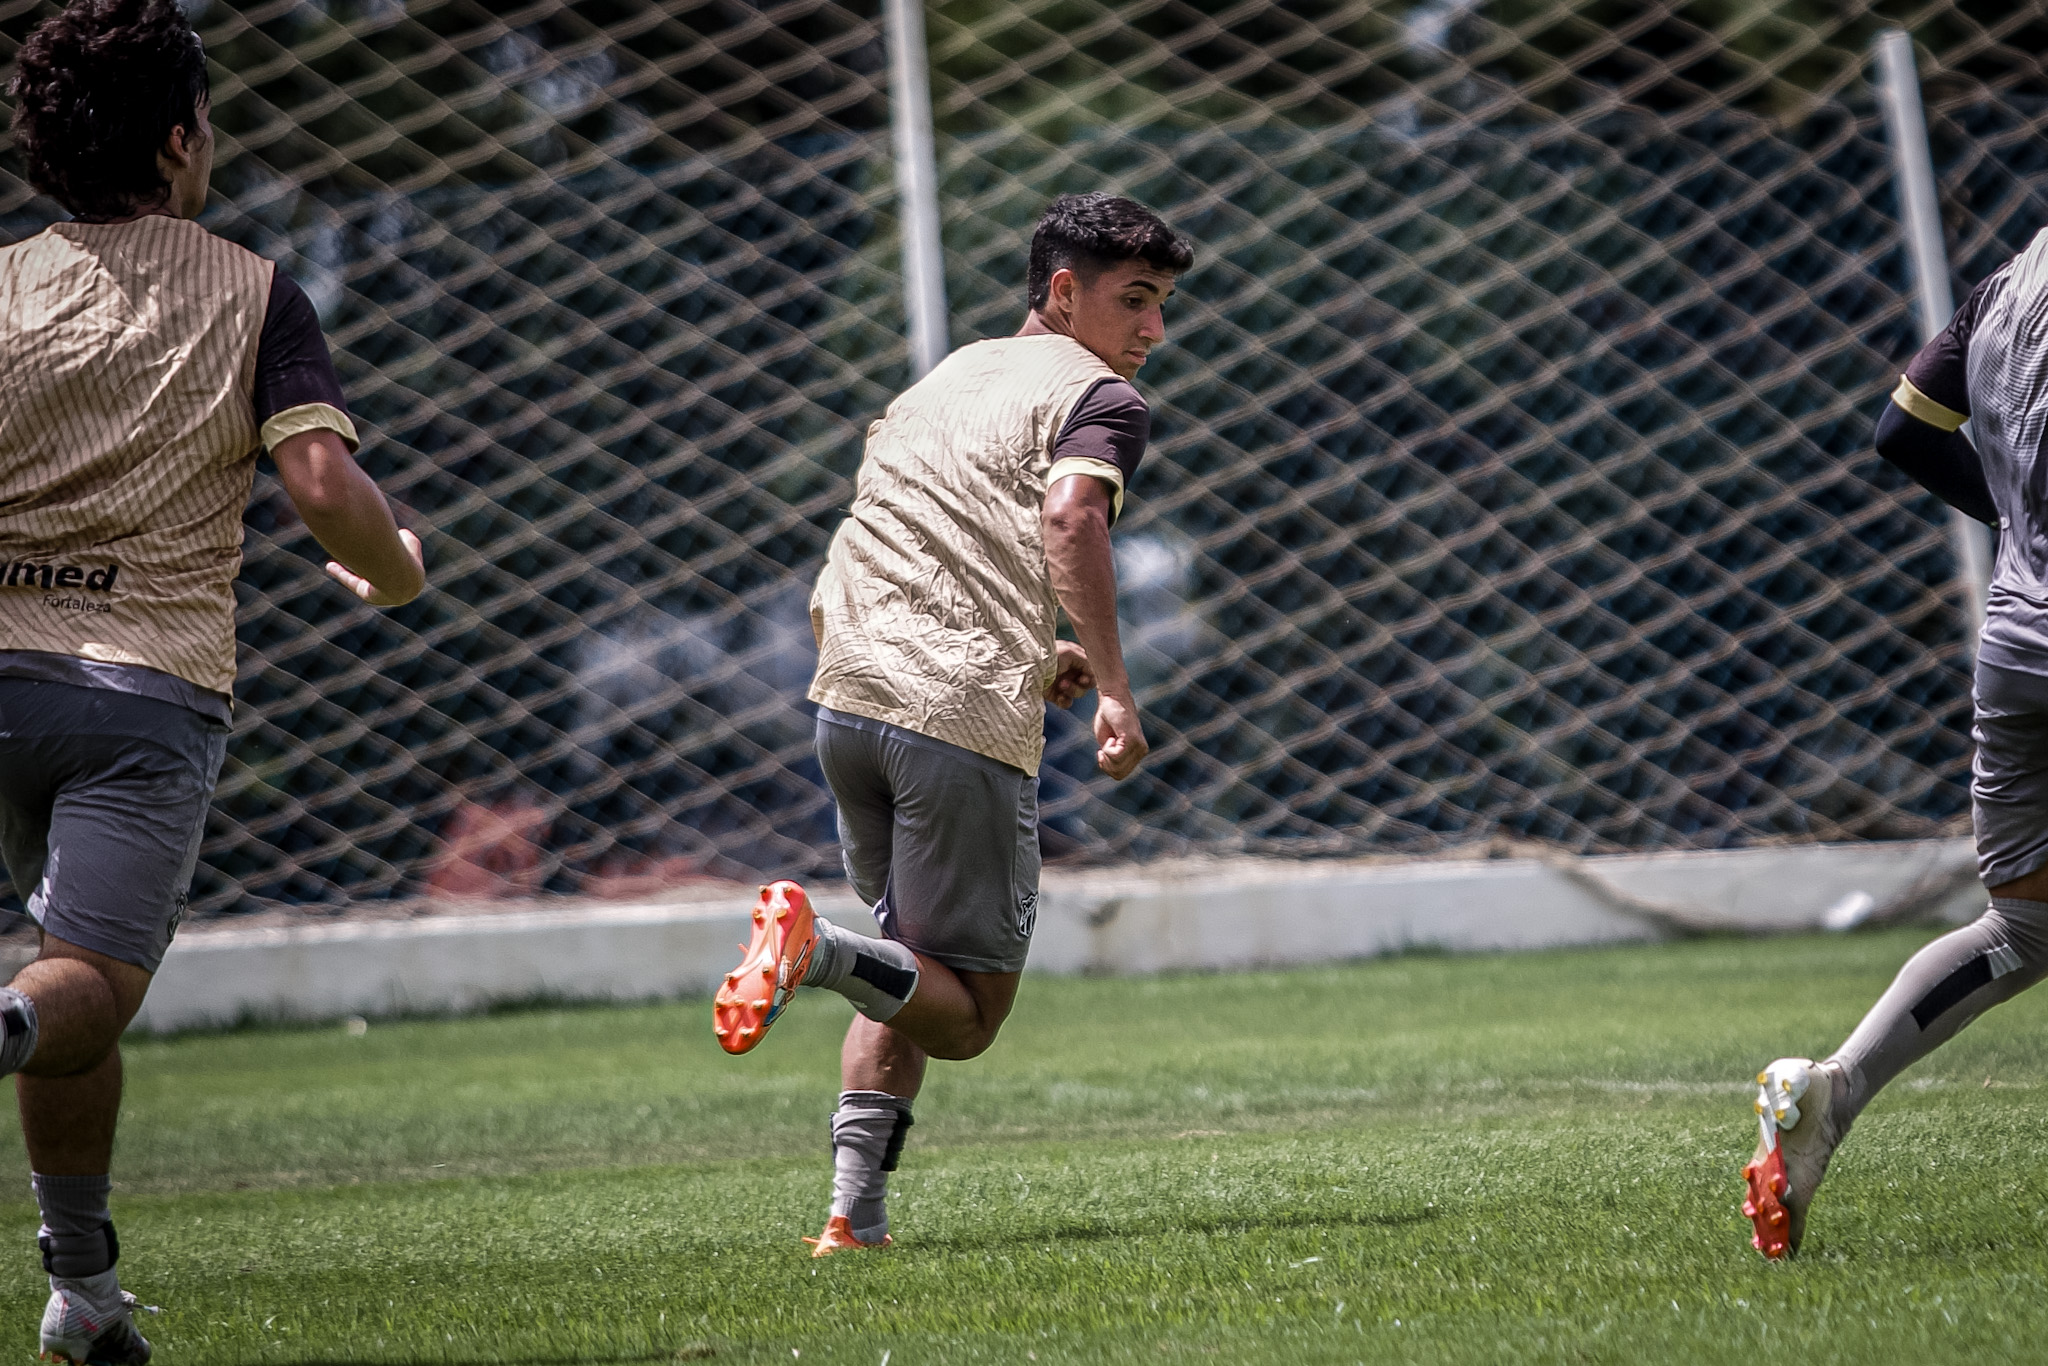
(1511,467)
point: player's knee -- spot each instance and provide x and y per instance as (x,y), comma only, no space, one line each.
(2022,923)
(971,1039)
(75,1058)
(83,1002)
(968,1042)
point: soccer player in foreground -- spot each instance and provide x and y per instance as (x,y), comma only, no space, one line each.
(983,508)
(1988,367)
(143,361)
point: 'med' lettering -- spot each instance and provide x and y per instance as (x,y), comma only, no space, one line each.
(25,574)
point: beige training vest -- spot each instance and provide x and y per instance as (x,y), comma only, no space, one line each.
(127,442)
(935,610)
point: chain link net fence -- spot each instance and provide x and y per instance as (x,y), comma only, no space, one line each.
(1511,469)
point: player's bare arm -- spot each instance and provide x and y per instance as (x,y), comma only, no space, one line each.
(350,518)
(1084,577)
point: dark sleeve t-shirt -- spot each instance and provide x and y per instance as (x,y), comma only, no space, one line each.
(296,387)
(1941,370)
(1105,437)
(296,391)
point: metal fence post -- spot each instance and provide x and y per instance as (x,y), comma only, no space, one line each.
(917,184)
(1906,127)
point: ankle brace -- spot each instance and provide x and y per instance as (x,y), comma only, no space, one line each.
(76,1256)
(77,1238)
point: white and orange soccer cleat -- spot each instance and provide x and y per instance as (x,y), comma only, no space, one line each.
(1795,1097)
(838,1237)
(81,1330)
(754,995)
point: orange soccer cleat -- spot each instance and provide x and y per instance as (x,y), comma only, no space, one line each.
(838,1237)
(1795,1111)
(1764,1207)
(755,993)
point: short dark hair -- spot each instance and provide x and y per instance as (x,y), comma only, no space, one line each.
(97,90)
(1091,232)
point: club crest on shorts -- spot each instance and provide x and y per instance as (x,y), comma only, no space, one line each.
(1027,914)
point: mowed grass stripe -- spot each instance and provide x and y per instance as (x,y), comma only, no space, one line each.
(1522,1158)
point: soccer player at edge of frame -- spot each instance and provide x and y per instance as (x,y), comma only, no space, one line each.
(983,508)
(1987,367)
(145,362)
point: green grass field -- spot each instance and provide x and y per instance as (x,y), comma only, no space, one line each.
(1527,1158)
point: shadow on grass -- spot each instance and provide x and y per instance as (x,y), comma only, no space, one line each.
(1095,1232)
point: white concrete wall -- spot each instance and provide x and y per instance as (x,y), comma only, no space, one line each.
(1197,914)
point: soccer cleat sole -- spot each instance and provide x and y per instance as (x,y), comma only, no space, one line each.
(755,993)
(838,1237)
(1764,1206)
(1780,1088)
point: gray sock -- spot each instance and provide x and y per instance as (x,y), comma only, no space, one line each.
(17,1030)
(77,1237)
(1941,989)
(867,1137)
(878,975)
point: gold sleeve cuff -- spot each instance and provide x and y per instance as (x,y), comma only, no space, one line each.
(310,417)
(1100,469)
(1916,404)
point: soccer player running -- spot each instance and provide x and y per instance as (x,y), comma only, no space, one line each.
(144,362)
(1988,367)
(983,508)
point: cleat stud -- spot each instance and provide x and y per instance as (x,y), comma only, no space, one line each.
(1759,1107)
(767,971)
(757,915)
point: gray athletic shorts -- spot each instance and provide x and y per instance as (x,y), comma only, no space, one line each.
(103,801)
(941,841)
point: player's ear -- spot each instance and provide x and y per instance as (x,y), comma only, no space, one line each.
(179,146)
(184,142)
(1064,288)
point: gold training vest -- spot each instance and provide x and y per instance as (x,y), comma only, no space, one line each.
(127,442)
(935,610)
